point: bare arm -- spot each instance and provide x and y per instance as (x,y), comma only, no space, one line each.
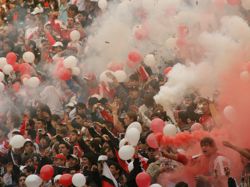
(243,152)
(117,124)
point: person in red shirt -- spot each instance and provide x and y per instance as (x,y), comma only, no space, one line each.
(211,167)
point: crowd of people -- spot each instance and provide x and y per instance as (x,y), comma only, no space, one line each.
(76,124)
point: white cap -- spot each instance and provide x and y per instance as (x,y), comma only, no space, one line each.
(57,44)
(37,10)
(102,158)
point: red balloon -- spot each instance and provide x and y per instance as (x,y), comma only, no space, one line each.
(15,67)
(157,125)
(233,2)
(25,68)
(11,58)
(167,70)
(135,57)
(64,74)
(46,172)
(16,86)
(152,141)
(158,137)
(143,179)
(65,180)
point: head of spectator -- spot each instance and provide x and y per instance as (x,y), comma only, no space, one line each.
(208,146)
(21,180)
(59,160)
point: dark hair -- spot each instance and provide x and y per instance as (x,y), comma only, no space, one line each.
(83,116)
(134,77)
(81,105)
(42,120)
(73,8)
(207,141)
(92,101)
(149,100)
(22,174)
(103,101)
(132,115)
(55,117)
(181,184)
(45,108)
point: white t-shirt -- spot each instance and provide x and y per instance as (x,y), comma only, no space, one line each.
(78,3)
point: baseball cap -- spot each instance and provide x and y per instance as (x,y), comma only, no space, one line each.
(57,44)
(37,10)
(60,156)
(73,157)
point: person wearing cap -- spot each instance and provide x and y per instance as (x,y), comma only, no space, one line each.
(29,147)
(59,160)
(73,163)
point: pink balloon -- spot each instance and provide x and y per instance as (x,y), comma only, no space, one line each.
(135,57)
(152,141)
(143,179)
(233,2)
(157,125)
(11,58)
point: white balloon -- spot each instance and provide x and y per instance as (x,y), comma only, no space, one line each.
(104,78)
(121,76)
(133,136)
(1,87)
(76,71)
(136,125)
(7,69)
(155,185)
(244,75)
(230,113)
(3,62)
(33,82)
(75,35)
(17,141)
(78,180)
(196,127)
(245,4)
(1,76)
(123,142)
(126,152)
(25,81)
(170,130)
(57,178)
(70,62)
(102,4)
(29,57)
(33,181)
(149,60)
